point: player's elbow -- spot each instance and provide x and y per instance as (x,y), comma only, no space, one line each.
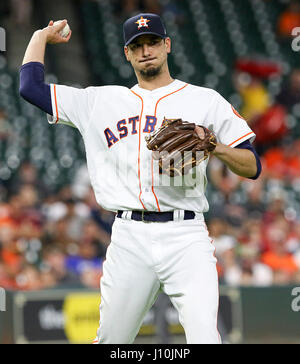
(38,95)
(33,89)
(25,92)
(258,169)
(27,85)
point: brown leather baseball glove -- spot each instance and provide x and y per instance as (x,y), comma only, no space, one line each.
(178,147)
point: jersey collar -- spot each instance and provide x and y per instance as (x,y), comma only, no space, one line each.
(173,86)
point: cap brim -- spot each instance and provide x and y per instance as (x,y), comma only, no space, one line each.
(138,35)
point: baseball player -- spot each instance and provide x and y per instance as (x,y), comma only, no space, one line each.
(159,238)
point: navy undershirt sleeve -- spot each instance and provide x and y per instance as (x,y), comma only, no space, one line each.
(248,145)
(33,87)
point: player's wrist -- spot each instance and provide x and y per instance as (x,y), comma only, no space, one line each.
(219,150)
(40,35)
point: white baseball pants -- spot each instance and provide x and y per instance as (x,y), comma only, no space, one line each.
(176,256)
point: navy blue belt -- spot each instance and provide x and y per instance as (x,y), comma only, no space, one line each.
(153,216)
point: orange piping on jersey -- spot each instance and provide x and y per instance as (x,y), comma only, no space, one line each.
(251,132)
(55,99)
(152,187)
(139,151)
(166,96)
(157,203)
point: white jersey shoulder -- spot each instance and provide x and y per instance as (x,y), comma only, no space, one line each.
(73,106)
(222,118)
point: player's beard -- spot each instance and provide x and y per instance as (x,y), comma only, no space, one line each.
(151,72)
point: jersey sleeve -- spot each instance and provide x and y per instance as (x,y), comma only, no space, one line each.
(71,106)
(229,126)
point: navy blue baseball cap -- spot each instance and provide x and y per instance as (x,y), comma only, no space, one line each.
(145,23)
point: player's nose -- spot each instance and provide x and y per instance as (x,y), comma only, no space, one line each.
(146,50)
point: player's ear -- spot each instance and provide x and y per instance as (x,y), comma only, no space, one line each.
(126,53)
(168,44)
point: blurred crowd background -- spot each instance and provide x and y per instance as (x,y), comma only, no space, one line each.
(53,233)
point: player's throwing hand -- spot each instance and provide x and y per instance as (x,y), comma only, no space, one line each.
(55,32)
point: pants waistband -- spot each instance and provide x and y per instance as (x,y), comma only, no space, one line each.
(153,216)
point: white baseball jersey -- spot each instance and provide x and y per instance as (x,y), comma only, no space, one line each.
(114,121)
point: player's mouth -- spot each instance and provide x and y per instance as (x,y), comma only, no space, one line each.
(147,60)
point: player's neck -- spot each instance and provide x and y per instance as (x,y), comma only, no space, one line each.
(161,80)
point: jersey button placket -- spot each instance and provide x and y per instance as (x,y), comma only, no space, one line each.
(146,169)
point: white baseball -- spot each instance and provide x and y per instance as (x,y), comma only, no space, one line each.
(66,30)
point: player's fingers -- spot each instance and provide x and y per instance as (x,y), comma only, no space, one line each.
(60,26)
(65,40)
(69,35)
(200,132)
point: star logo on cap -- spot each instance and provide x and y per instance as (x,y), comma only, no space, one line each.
(142,22)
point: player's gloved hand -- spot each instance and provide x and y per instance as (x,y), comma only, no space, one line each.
(180,145)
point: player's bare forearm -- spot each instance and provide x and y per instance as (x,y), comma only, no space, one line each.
(35,51)
(240,161)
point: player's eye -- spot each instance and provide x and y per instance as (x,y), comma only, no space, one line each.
(154,41)
(135,46)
